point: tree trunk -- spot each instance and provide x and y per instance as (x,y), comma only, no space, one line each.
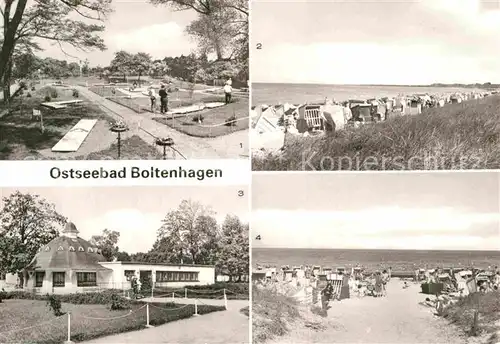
(21,279)
(9,34)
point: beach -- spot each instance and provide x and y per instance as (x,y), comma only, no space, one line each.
(399,260)
(397,318)
(270,94)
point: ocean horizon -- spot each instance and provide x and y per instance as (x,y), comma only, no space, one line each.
(399,260)
(276,93)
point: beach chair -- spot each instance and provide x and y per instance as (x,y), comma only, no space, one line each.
(313,117)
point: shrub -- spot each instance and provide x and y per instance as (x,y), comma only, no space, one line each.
(119,303)
(55,304)
(198,118)
(231,121)
(53,93)
(28,95)
(47,98)
(146,285)
(33,88)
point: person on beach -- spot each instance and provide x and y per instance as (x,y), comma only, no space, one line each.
(228,89)
(326,295)
(385,280)
(378,284)
(152,98)
(163,100)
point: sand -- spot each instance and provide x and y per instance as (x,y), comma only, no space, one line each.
(396,318)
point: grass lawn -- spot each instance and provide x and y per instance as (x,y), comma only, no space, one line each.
(20,314)
(22,139)
(458,136)
(213,119)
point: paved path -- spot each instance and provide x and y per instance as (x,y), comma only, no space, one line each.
(396,318)
(230,146)
(229,327)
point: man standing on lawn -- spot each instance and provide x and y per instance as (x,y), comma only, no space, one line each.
(163,100)
(228,89)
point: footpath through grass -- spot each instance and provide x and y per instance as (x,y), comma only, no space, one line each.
(455,137)
(31,321)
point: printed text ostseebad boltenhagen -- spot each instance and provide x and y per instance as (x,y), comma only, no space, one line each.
(135,172)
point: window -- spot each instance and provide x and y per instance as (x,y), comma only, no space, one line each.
(176,276)
(60,248)
(39,275)
(71,249)
(80,249)
(3,276)
(86,279)
(58,279)
(129,274)
(90,250)
(47,248)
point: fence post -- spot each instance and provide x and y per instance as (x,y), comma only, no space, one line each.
(69,330)
(196,307)
(185,293)
(147,315)
(173,295)
(225,299)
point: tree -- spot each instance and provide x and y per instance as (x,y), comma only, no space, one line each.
(141,64)
(234,257)
(85,67)
(122,63)
(107,242)
(158,69)
(52,20)
(25,65)
(27,223)
(123,257)
(74,69)
(187,234)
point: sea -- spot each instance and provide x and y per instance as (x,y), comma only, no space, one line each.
(398,260)
(272,94)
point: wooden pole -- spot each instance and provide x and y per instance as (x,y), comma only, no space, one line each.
(69,327)
(185,293)
(196,307)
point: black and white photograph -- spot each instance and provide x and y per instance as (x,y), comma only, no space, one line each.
(376,258)
(124,265)
(130,80)
(375,85)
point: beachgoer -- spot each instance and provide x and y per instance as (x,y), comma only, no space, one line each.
(378,284)
(385,280)
(163,100)
(228,89)
(152,98)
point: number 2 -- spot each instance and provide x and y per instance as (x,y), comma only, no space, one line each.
(259,46)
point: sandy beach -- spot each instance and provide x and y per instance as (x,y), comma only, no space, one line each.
(396,318)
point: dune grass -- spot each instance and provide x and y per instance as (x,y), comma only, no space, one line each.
(456,137)
(487,307)
(272,313)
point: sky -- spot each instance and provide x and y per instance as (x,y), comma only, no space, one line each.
(135,212)
(441,211)
(135,26)
(399,42)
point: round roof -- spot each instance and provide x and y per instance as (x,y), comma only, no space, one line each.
(68,251)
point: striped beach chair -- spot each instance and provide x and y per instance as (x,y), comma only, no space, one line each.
(312,115)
